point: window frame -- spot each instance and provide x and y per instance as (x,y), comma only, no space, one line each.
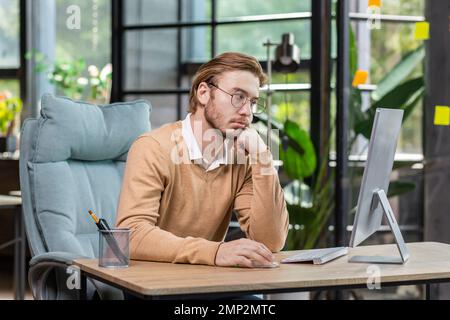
(185,69)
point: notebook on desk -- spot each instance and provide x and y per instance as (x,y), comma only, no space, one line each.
(317,256)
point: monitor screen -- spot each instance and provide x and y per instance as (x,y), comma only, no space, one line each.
(380,159)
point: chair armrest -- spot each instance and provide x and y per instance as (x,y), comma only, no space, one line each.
(63,258)
(41,267)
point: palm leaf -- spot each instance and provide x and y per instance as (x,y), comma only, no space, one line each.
(398,187)
(404,96)
(399,73)
(299,159)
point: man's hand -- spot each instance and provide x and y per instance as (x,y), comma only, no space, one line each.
(250,141)
(243,253)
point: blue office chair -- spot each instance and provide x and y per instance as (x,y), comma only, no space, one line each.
(72,160)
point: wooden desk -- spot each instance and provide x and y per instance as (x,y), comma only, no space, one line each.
(15,193)
(10,202)
(429,263)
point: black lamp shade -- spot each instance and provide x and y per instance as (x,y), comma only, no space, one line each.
(287,55)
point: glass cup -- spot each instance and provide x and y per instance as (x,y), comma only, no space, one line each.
(114,248)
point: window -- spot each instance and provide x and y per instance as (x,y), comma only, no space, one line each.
(294,106)
(163,48)
(236,8)
(379,50)
(68,34)
(253,35)
(92,41)
(9,34)
(12,81)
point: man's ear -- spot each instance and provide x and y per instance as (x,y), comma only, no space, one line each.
(203,93)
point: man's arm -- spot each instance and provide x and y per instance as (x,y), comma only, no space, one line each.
(144,181)
(260,203)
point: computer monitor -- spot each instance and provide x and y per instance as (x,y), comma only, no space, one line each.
(372,200)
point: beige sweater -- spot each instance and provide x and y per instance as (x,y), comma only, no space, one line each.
(180,213)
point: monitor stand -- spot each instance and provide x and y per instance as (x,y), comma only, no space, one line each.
(379,197)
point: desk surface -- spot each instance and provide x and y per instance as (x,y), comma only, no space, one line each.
(429,260)
(6,201)
(15,193)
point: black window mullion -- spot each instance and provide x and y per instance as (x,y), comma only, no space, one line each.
(9,73)
(342,99)
(320,76)
(179,62)
(117,44)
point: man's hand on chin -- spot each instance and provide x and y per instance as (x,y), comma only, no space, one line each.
(250,141)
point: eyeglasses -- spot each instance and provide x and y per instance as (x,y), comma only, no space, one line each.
(238,100)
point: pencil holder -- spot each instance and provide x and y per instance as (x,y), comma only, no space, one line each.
(114,248)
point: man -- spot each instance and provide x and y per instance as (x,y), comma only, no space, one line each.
(182,181)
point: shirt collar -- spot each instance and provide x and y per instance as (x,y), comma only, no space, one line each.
(194,149)
(189,138)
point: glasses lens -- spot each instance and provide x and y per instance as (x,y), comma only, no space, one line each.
(259,106)
(256,109)
(238,100)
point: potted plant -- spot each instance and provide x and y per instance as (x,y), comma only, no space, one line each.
(74,80)
(10,108)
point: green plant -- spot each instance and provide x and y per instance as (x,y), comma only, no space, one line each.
(310,210)
(394,91)
(309,207)
(9,107)
(68,77)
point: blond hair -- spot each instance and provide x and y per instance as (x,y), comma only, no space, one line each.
(228,61)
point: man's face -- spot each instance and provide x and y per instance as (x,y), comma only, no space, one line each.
(219,111)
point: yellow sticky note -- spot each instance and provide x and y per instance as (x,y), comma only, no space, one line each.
(422,31)
(360,77)
(375,3)
(442,116)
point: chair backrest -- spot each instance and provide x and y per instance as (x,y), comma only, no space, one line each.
(72,160)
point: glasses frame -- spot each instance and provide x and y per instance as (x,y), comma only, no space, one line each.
(253,106)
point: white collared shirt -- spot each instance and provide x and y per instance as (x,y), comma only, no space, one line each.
(195,153)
